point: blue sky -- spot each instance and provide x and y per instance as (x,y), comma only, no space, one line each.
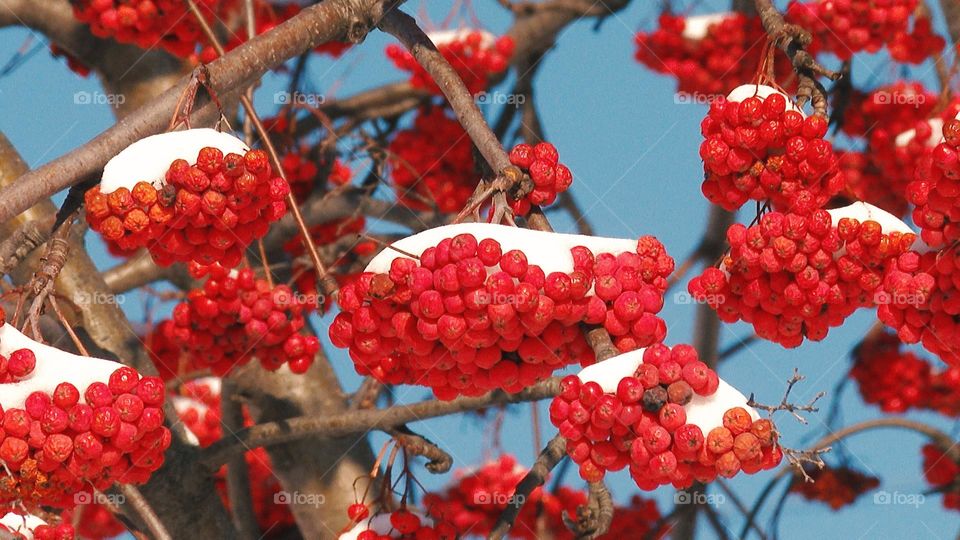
(633,151)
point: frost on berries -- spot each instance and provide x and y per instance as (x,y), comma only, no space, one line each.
(663,414)
(195,195)
(72,424)
(488,306)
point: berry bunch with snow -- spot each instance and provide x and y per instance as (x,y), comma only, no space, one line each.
(72,424)
(849,27)
(236,316)
(432,163)
(666,415)
(475,501)
(468,308)
(834,486)
(794,276)
(196,195)
(757,148)
(151,23)
(476,55)
(31,527)
(549,176)
(708,54)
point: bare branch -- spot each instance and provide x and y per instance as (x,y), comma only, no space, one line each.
(785,405)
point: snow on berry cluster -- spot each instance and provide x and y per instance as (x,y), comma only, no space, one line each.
(31,527)
(236,316)
(794,276)
(664,414)
(431,163)
(708,54)
(757,148)
(549,176)
(196,195)
(834,486)
(899,380)
(72,424)
(402,524)
(488,306)
(477,498)
(198,406)
(852,26)
(476,55)
(152,23)
(943,473)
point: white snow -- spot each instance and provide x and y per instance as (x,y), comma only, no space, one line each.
(148,159)
(696,27)
(549,251)
(706,412)
(862,211)
(761,91)
(380,524)
(443,37)
(22,524)
(53,367)
(936,134)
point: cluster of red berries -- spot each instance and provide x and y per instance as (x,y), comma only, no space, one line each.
(199,408)
(851,26)
(793,276)
(943,473)
(637,520)
(208,212)
(400,524)
(477,499)
(893,379)
(834,486)
(151,23)
(94,521)
(918,45)
(549,176)
(470,318)
(887,111)
(62,531)
(863,181)
(758,149)
(295,158)
(236,316)
(166,355)
(432,163)
(935,189)
(475,55)
(713,64)
(643,425)
(58,447)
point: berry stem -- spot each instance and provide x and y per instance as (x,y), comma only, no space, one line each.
(555,451)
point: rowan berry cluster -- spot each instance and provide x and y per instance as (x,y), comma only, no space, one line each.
(476,56)
(432,163)
(887,111)
(478,498)
(864,182)
(794,276)
(152,23)
(834,486)
(467,317)
(235,317)
(758,149)
(935,188)
(711,63)
(401,524)
(199,408)
(943,473)
(845,28)
(207,212)
(918,45)
(643,425)
(58,446)
(549,176)
(94,521)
